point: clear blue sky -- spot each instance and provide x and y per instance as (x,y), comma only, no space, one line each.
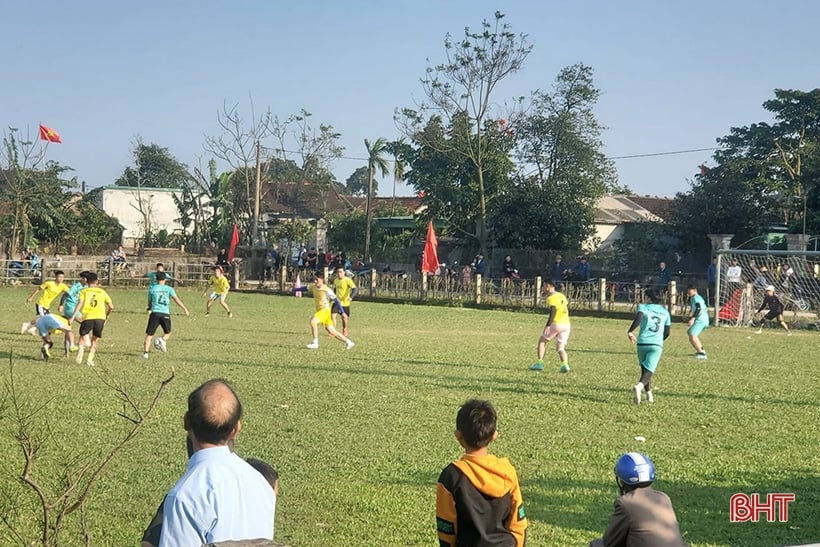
(674,76)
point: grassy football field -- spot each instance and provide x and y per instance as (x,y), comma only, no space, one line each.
(359,437)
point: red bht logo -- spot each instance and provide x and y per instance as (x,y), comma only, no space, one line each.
(744,508)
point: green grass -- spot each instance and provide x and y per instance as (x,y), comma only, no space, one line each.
(359,437)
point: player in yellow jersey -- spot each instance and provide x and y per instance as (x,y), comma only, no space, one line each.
(219,286)
(346,291)
(325,299)
(94,305)
(557,327)
(48,325)
(51,290)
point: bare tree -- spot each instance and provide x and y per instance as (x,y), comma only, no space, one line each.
(314,149)
(462,88)
(238,145)
(78,478)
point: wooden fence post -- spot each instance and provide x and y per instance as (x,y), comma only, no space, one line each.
(601,293)
(372,281)
(537,299)
(478,288)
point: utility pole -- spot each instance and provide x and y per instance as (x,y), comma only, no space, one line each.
(255,232)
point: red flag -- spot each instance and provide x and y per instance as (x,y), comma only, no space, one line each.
(234,243)
(429,262)
(48,134)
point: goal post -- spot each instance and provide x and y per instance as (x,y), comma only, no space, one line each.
(743,275)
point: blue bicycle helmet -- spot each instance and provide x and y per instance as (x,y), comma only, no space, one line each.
(634,469)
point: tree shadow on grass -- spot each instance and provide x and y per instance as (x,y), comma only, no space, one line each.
(702,511)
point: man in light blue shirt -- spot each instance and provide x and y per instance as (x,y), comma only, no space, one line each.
(220,497)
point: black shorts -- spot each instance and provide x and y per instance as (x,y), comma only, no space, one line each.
(94,326)
(158,320)
(772,314)
(345,308)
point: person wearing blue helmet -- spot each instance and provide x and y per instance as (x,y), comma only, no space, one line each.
(643,516)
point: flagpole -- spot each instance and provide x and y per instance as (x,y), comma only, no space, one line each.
(42,148)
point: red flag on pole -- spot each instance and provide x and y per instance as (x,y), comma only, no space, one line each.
(234,243)
(48,134)
(429,262)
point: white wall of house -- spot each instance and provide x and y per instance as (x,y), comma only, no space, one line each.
(124,203)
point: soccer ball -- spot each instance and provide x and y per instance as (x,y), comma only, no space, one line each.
(158,343)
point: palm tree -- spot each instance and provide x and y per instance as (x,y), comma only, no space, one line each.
(375,161)
(399,165)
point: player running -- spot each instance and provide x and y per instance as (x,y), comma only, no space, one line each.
(346,291)
(95,306)
(220,286)
(51,290)
(68,302)
(698,321)
(48,325)
(324,298)
(159,302)
(655,323)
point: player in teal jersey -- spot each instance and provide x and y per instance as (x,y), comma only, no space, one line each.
(698,320)
(159,302)
(68,303)
(654,322)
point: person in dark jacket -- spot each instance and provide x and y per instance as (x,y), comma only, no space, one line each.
(775,310)
(643,516)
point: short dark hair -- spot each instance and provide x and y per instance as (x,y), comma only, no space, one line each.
(58,272)
(549,282)
(653,295)
(691,288)
(208,424)
(84,274)
(160,264)
(319,274)
(476,421)
(91,277)
(265,469)
(160,276)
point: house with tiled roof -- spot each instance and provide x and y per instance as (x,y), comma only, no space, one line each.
(614,212)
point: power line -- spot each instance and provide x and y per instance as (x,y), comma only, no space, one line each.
(671,153)
(626,157)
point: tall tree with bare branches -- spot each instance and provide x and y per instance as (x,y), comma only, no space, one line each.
(461,90)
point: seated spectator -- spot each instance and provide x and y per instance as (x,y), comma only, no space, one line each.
(479,265)
(508,271)
(118,254)
(643,516)
(558,270)
(222,258)
(311,259)
(663,275)
(581,270)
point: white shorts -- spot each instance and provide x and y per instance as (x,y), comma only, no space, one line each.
(221,296)
(558,331)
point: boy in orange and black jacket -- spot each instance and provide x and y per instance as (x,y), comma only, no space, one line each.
(478,500)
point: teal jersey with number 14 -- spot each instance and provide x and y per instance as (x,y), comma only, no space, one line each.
(655,318)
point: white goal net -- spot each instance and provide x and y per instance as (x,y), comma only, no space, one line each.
(742,277)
